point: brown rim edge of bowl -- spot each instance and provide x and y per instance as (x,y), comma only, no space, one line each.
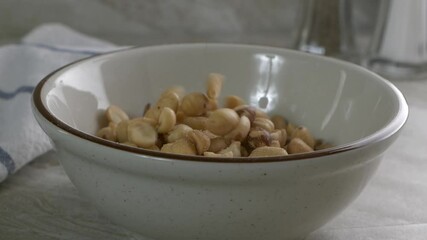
(391,128)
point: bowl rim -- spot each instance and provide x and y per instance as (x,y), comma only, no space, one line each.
(387,131)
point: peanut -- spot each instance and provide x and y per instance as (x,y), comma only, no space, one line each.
(222,121)
(233,101)
(228,154)
(179,131)
(107,133)
(199,123)
(200,140)
(305,135)
(122,131)
(263,123)
(258,138)
(167,120)
(241,131)
(297,145)
(214,85)
(181,146)
(267,151)
(170,100)
(142,134)
(194,104)
(234,148)
(218,143)
(278,121)
(115,114)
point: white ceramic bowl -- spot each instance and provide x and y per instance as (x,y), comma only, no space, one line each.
(165,196)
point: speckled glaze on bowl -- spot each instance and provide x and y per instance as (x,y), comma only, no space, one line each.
(166,196)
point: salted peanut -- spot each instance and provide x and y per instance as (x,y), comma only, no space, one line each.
(275,143)
(169,100)
(107,133)
(297,145)
(178,90)
(261,114)
(167,120)
(234,147)
(278,121)
(246,110)
(115,114)
(142,134)
(209,134)
(263,123)
(199,123)
(219,143)
(179,131)
(194,104)
(122,131)
(181,146)
(211,105)
(150,121)
(233,101)
(241,131)
(305,135)
(200,140)
(267,151)
(290,129)
(153,113)
(214,85)
(258,137)
(222,121)
(279,135)
(228,154)
(180,115)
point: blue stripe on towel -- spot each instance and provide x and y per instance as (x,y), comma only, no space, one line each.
(10,95)
(7,161)
(60,49)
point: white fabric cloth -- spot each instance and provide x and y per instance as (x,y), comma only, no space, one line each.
(22,66)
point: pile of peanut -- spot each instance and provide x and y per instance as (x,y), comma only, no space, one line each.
(194,124)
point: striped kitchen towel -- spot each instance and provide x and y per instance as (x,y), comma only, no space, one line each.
(22,66)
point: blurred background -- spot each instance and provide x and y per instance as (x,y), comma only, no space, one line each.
(143,22)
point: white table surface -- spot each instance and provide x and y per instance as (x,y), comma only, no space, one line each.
(39,202)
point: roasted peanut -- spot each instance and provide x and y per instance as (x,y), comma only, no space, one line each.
(297,145)
(115,114)
(279,122)
(179,131)
(199,123)
(178,90)
(167,120)
(234,148)
(228,154)
(214,85)
(142,134)
(181,146)
(152,113)
(263,123)
(200,140)
(144,119)
(305,135)
(170,100)
(233,101)
(290,128)
(245,110)
(194,104)
(275,143)
(107,133)
(267,151)
(122,131)
(222,121)
(258,138)
(279,135)
(240,132)
(218,143)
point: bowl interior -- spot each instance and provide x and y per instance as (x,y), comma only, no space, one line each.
(337,101)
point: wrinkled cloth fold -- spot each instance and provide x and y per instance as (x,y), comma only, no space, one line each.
(22,66)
